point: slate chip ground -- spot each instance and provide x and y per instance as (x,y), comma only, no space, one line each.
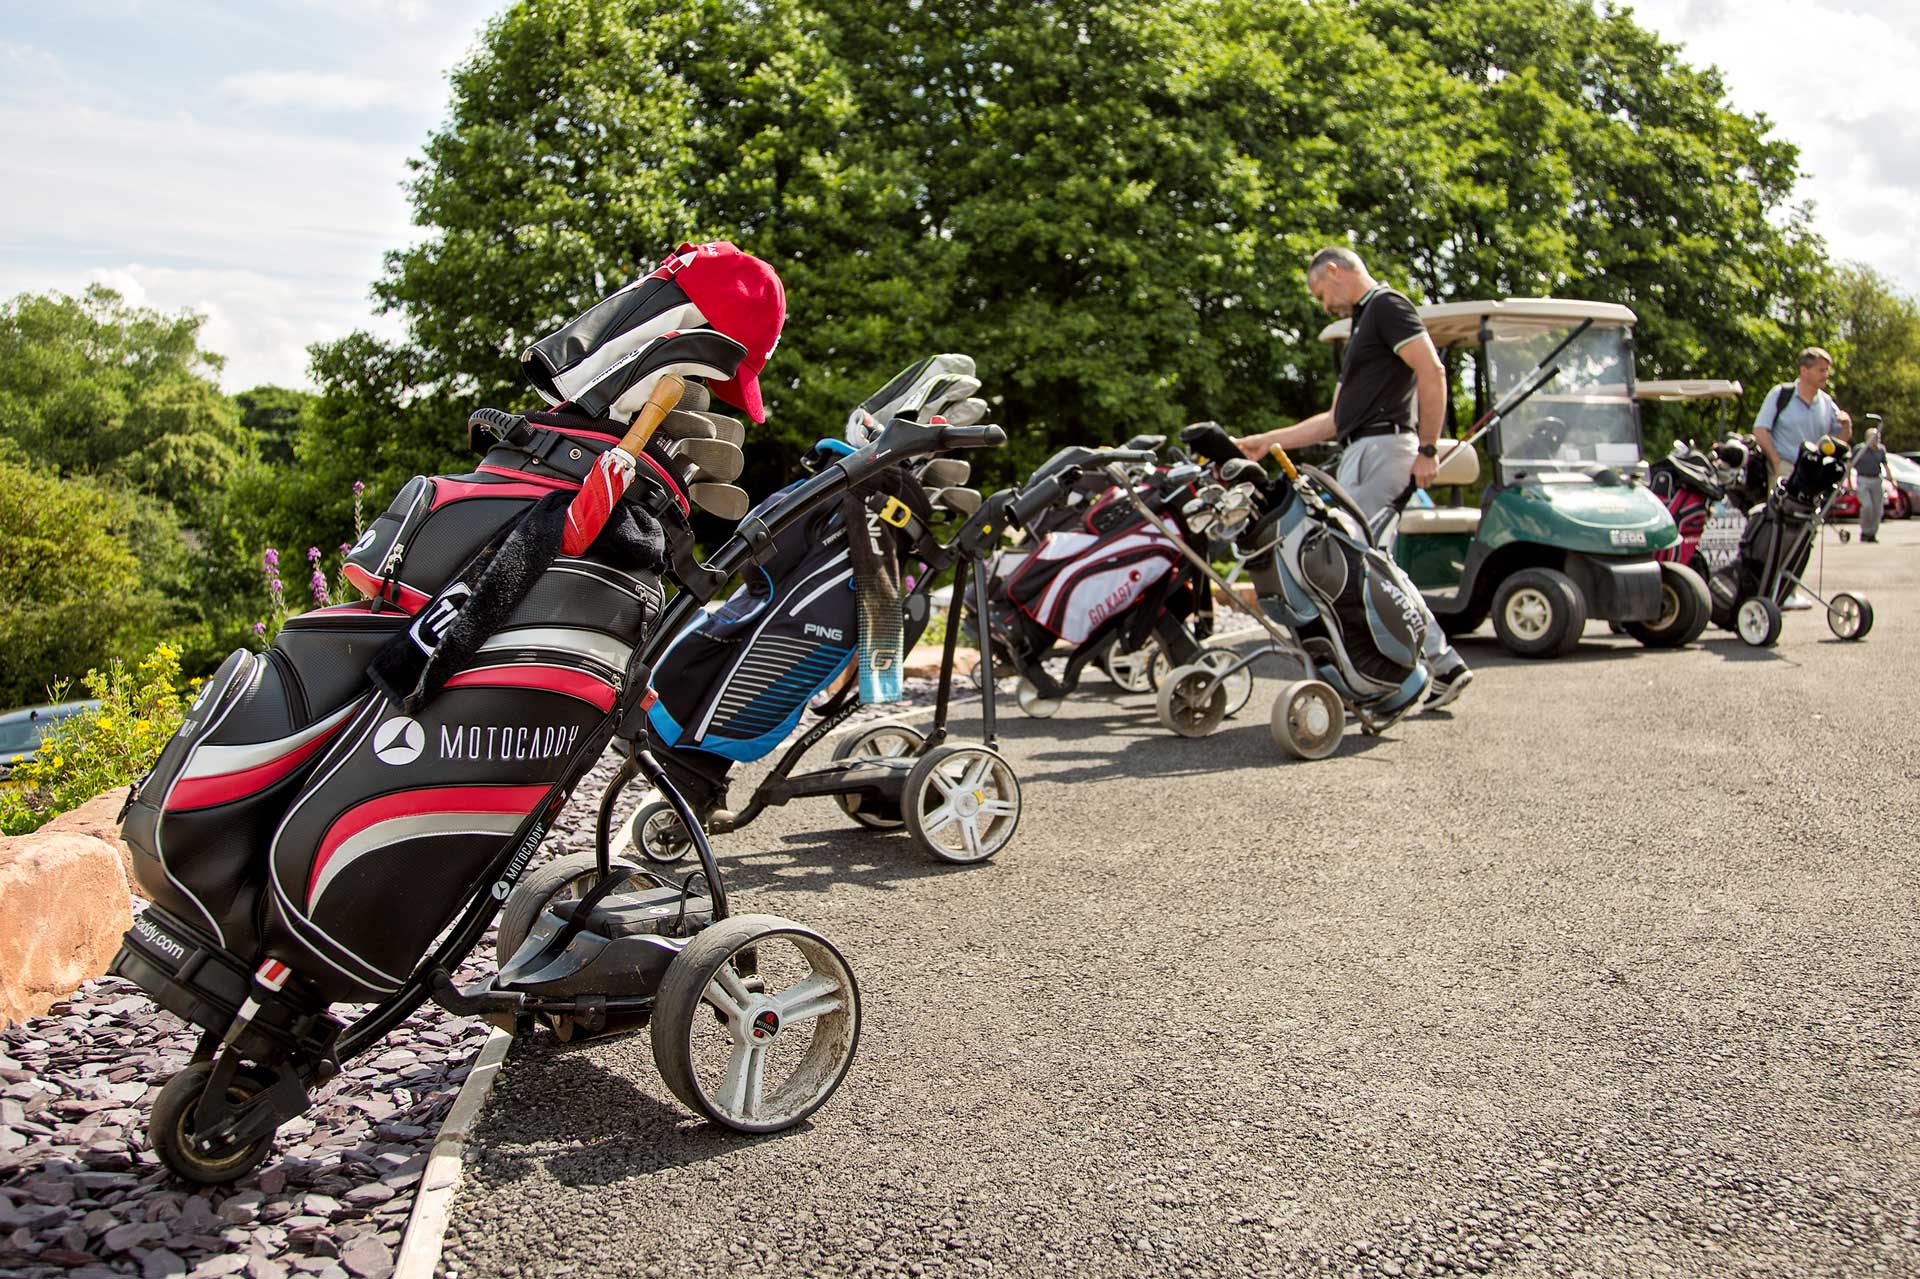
(1606,971)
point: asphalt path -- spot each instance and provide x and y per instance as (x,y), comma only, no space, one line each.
(1609,971)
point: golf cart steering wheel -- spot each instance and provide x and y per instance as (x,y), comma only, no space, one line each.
(1549,433)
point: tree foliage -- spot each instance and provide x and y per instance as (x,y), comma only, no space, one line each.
(1878,354)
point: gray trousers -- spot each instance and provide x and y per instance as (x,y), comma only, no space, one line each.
(1374,471)
(1873,501)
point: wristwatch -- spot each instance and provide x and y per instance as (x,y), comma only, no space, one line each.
(1429,450)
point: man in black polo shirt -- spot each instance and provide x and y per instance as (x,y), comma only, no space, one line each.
(1390,380)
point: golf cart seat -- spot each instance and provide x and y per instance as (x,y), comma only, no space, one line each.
(1416,520)
(1458,464)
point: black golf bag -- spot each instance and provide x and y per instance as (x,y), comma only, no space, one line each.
(1779,536)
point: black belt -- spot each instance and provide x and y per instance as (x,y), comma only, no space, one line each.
(1377,428)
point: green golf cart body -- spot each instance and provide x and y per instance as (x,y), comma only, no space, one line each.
(1565,530)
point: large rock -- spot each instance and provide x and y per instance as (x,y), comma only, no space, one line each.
(63,905)
(100,818)
(924,662)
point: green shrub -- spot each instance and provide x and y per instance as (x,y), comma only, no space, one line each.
(97,750)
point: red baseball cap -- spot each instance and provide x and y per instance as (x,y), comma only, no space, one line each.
(741,297)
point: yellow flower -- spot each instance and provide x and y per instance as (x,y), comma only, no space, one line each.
(141,726)
(105,721)
(55,762)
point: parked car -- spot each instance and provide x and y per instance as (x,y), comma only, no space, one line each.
(1846,503)
(21,730)
(1904,472)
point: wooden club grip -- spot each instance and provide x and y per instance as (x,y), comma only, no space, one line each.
(666,393)
(1286,463)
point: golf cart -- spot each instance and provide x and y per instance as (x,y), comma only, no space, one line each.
(1565,530)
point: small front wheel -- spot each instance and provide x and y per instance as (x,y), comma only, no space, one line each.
(756,1023)
(659,834)
(1849,616)
(1757,621)
(170,1128)
(962,803)
(1034,702)
(1308,719)
(1239,685)
(883,741)
(1192,700)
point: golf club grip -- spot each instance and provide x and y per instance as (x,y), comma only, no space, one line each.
(1286,463)
(1034,500)
(666,393)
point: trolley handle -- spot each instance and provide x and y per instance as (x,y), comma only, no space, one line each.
(1036,498)
(1286,463)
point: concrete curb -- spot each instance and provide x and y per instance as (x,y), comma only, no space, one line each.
(427,1224)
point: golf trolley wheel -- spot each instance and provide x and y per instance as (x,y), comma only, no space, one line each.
(170,1127)
(1849,616)
(1539,612)
(1757,621)
(1308,719)
(1033,702)
(1239,685)
(883,741)
(962,803)
(567,878)
(1192,700)
(657,831)
(1686,607)
(756,1023)
(1133,672)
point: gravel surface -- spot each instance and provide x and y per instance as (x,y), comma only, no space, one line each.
(1609,971)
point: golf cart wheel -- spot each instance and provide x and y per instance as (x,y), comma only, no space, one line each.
(756,1023)
(883,741)
(1685,609)
(1033,702)
(567,878)
(962,803)
(1539,612)
(1757,621)
(659,834)
(170,1128)
(1849,616)
(1239,685)
(1192,700)
(1308,719)
(1133,671)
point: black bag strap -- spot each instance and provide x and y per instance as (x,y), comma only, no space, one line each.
(1780,403)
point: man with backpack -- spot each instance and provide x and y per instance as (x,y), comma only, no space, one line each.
(1799,412)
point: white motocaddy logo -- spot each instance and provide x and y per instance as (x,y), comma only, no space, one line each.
(366,540)
(399,741)
(505,742)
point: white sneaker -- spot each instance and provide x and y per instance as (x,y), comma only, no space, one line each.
(1797,601)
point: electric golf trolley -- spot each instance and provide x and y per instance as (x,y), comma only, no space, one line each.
(735,683)
(307,841)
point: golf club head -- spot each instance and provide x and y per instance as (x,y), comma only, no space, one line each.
(718,460)
(945,472)
(968,412)
(730,429)
(946,391)
(724,501)
(682,425)
(964,502)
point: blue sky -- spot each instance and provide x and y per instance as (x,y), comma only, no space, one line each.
(245,160)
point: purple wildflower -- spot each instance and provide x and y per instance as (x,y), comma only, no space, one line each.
(271,560)
(318,584)
(358,488)
(259,628)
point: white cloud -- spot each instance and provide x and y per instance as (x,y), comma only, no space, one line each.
(317,90)
(1833,77)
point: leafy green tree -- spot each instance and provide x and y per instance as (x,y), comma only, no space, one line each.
(271,414)
(71,576)
(1878,350)
(90,385)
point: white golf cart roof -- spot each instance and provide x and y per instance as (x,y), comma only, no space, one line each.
(1676,390)
(1458,323)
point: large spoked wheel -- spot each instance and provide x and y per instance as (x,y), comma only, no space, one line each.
(1686,608)
(1539,612)
(1757,621)
(1133,672)
(885,741)
(1308,719)
(567,878)
(659,834)
(1849,616)
(756,1023)
(170,1128)
(1034,702)
(1192,700)
(962,803)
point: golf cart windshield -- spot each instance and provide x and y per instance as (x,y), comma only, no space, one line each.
(1583,416)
